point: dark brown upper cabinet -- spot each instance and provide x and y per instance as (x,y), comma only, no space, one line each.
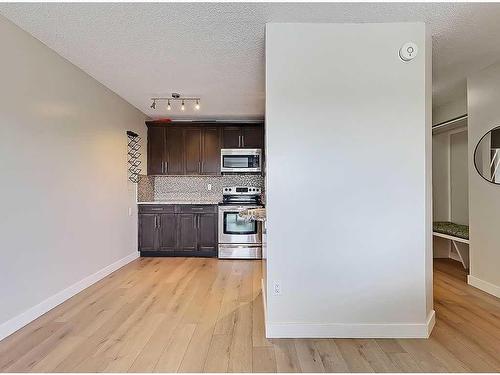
(210,148)
(156,150)
(247,136)
(252,136)
(194,149)
(174,152)
(232,137)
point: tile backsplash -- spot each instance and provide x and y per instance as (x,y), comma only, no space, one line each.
(191,188)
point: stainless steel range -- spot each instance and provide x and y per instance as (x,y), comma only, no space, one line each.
(239,238)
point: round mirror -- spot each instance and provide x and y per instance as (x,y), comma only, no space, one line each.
(487,156)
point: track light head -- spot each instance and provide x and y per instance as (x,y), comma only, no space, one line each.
(168,106)
(182,106)
(197,105)
(153,105)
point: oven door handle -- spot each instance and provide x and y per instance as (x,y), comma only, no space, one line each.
(233,209)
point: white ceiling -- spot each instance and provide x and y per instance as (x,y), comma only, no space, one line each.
(216,50)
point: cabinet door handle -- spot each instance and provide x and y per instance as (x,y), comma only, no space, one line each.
(159,221)
(239,141)
(156,221)
(165,166)
(242,141)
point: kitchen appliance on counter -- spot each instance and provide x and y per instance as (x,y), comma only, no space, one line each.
(241,160)
(239,238)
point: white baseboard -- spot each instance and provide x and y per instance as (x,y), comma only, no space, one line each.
(264,304)
(12,325)
(335,330)
(484,286)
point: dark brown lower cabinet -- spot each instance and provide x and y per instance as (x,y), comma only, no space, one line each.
(147,232)
(207,236)
(187,232)
(178,230)
(167,228)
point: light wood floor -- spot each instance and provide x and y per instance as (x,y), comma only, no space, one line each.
(205,315)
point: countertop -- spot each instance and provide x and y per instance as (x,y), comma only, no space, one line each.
(181,202)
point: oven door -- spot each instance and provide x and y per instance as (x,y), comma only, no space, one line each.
(234,229)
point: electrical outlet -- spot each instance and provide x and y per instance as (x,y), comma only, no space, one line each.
(277,288)
(209,187)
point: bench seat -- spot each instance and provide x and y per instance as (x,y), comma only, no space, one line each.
(455,233)
(451,229)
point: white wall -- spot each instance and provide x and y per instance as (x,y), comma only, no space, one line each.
(483,94)
(450,185)
(348,181)
(459,178)
(441,189)
(64,190)
(441,176)
(450,110)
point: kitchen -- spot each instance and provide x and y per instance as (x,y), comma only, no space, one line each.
(201,176)
(296,113)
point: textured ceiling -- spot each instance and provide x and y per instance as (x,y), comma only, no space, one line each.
(216,50)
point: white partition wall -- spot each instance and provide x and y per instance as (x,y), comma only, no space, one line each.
(483,95)
(348,181)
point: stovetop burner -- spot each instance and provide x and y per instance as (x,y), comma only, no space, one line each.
(242,195)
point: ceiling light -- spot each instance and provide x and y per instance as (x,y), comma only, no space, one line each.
(177,98)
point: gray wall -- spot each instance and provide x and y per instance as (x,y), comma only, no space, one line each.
(483,93)
(351,250)
(65,195)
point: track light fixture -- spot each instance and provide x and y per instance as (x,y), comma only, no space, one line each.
(177,97)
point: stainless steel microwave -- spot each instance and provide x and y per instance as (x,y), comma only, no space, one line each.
(241,160)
